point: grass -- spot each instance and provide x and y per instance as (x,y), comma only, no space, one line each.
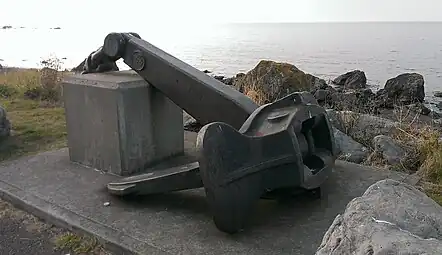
(60,240)
(31,98)
(79,244)
(421,140)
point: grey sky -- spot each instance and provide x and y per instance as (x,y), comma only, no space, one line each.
(60,12)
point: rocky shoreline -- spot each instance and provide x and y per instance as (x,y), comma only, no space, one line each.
(366,124)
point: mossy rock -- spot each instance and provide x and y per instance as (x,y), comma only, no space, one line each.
(270,80)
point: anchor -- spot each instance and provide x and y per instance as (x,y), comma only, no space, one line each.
(244,151)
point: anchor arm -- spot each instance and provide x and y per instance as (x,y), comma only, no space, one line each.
(203,97)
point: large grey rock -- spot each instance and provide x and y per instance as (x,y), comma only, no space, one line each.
(5,124)
(308,98)
(390,150)
(270,80)
(352,80)
(350,150)
(390,218)
(362,100)
(190,123)
(403,89)
(362,127)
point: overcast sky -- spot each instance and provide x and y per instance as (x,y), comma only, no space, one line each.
(86,12)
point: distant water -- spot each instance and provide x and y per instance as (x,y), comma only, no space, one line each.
(382,50)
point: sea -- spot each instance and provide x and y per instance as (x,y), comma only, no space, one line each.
(381,49)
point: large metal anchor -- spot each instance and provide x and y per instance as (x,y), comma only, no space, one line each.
(245,152)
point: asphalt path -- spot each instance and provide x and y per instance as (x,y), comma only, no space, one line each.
(24,234)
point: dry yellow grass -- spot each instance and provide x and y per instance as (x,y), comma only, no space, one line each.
(33,107)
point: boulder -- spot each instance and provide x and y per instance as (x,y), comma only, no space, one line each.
(270,81)
(229,81)
(403,89)
(362,101)
(362,127)
(391,217)
(5,124)
(316,82)
(419,108)
(190,123)
(437,93)
(390,150)
(352,80)
(349,149)
(322,95)
(308,98)
(219,77)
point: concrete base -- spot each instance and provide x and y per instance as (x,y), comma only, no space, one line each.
(119,123)
(73,196)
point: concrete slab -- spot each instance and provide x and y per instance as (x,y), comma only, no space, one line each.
(72,196)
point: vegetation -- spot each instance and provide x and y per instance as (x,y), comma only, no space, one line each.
(31,98)
(79,244)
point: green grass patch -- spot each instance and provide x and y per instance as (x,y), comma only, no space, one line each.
(78,244)
(34,129)
(37,118)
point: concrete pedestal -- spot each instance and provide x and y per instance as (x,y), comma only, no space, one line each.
(118,123)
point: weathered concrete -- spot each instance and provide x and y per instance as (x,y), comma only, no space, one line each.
(72,196)
(118,123)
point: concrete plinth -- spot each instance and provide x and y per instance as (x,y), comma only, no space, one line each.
(118,123)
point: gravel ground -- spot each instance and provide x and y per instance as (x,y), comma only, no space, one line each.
(24,234)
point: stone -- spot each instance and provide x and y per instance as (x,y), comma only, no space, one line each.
(362,101)
(403,89)
(229,81)
(361,127)
(270,81)
(390,149)
(419,108)
(190,123)
(308,98)
(350,150)
(434,115)
(118,123)
(5,124)
(437,93)
(316,82)
(219,77)
(322,94)
(391,217)
(352,80)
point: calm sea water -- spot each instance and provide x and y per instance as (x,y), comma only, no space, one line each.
(382,50)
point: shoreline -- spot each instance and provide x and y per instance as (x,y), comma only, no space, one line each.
(431,100)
